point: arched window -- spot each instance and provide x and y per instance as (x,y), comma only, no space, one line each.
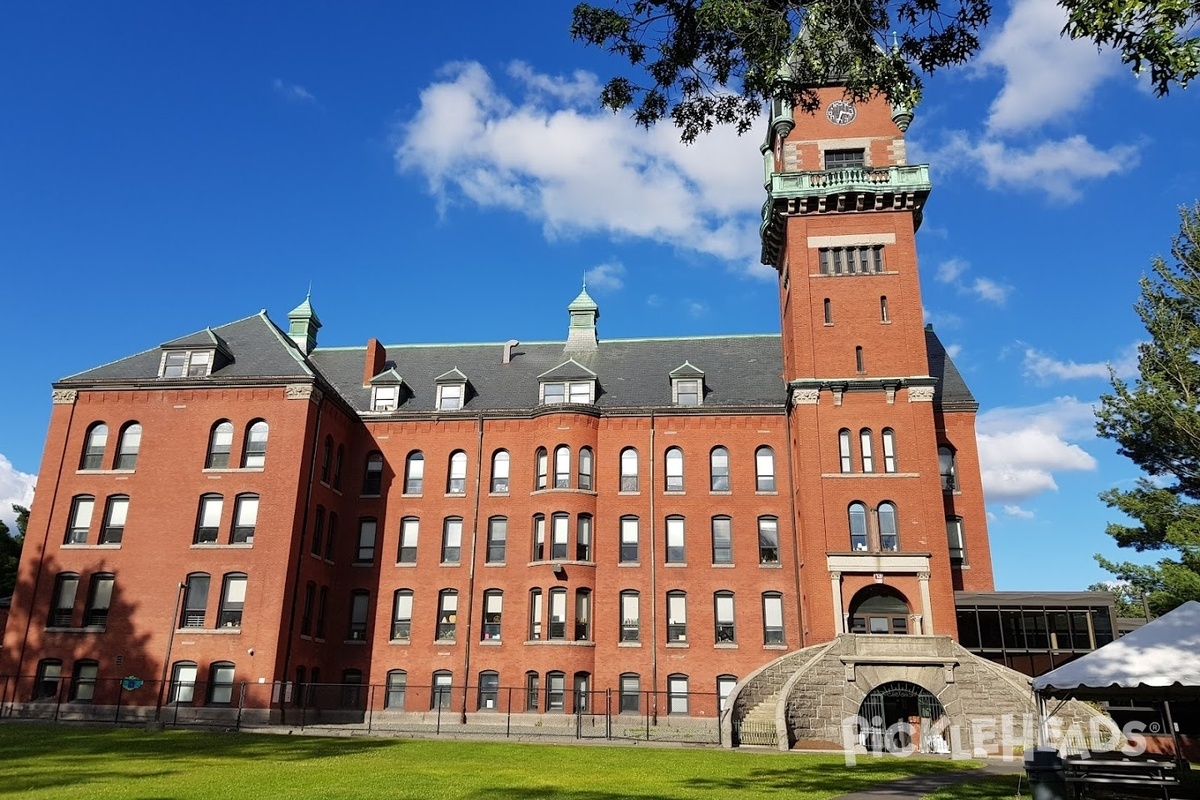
(674,470)
(318,534)
(676,542)
(587,464)
(49,675)
(888,535)
(183,682)
(255,453)
(220,683)
(493,614)
(80,524)
(337,467)
(631,627)
(402,602)
(414,473)
(883,309)
(583,538)
(360,607)
(373,475)
(859,362)
(541,460)
(725,628)
(364,553)
(556,691)
(62,613)
(93,447)
(497,540)
(868,456)
(889,449)
(233,600)
(772,603)
(583,615)
(447,621)
(559,535)
(220,443)
(844,462)
(535,615)
(764,469)
(722,540)
(718,461)
(630,693)
(208,520)
(410,529)
(947,469)
(677,694)
(301,693)
(562,467)
(100,591)
(306,614)
(452,540)
(500,465)
(768,540)
(83,681)
(582,694)
(128,446)
(327,460)
(352,688)
(456,481)
(828,312)
(725,685)
(629,470)
(676,616)
(489,691)
(954,539)
(531,691)
(245,519)
(558,613)
(629,540)
(539,537)
(195,600)
(397,686)
(858,526)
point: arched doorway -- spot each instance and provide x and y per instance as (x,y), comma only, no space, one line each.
(898,716)
(879,609)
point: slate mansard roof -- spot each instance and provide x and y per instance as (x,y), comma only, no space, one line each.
(739,371)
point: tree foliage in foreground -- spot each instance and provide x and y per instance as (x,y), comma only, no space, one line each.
(1126,598)
(10,550)
(1156,424)
(708,62)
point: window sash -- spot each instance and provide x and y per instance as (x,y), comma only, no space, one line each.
(245,520)
(562,468)
(452,541)
(772,619)
(81,520)
(720,470)
(676,618)
(768,541)
(402,615)
(629,541)
(629,471)
(497,540)
(764,464)
(583,538)
(722,540)
(365,553)
(500,468)
(676,552)
(630,617)
(558,614)
(559,534)
(674,470)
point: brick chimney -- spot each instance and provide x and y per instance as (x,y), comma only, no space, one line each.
(376,358)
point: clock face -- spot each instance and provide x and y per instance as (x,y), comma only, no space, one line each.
(841,112)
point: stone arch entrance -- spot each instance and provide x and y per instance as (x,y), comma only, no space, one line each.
(898,716)
(879,609)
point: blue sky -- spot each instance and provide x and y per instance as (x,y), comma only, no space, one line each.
(448,177)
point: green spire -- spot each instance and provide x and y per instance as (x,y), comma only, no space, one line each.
(303,324)
(584,312)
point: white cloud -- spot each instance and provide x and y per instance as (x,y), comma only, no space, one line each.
(654,301)
(1018,512)
(1020,449)
(15,487)
(292,91)
(695,308)
(951,272)
(549,154)
(605,276)
(1044,368)
(953,350)
(989,290)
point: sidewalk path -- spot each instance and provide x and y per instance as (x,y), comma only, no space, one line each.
(921,785)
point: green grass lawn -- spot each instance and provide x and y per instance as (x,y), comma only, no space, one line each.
(995,787)
(70,762)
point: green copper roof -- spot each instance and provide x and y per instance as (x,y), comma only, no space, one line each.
(305,311)
(583,302)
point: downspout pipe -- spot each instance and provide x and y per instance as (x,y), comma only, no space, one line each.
(470,637)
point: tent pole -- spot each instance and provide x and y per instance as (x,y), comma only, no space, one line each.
(1174,736)
(1043,733)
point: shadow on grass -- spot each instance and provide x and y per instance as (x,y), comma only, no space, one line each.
(829,778)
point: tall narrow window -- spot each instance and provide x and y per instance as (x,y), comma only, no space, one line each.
(322,608)
(360,607)
(220,444)
(497,541)
(677,694)
(351,688)
(452,540)
(402,602)
(556,691)
(859,362)
(489,691)
(772,618)
(674,470)
(858,526)
(722,540)
(233,601)
(719,470)
(828,311)
(254,455)
(582,695)
(62,613)
(531,691)
(630,693)
(365,551)
(629,470)
(725,685)
(195,600)
(864,443)
(954,538)
(844,462)
(883,309)
(493,614)
(183,682)
(245,519)
(456,482)
(888,535)
(220,683)
(586,466)
(306,614)
(49,675)
(373,475)
(764,469)
(326,459)
(99,599)
(559,532)
(331,536)
(889,449)
(947,469)
(500,465)
(83,681)
(318,535)
(414,473)
(583,615)
(676,617)
(558,613)
(768,540)
(397,687)
(337,467)
(631,628)
(447,622)
(539,538)
(629,540)
(541,459)
(128,446)
(676,552)
(723,618)
(93,447)
(562,467)
(208,520)
(81,519)
(583,538)
(535,615)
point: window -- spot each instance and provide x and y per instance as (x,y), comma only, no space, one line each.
(452,540)
(541,459)
(337,467)
(723,618)
(331,536)
(676,553)
(725,685)
(489,691)
(500,465)
(768,540)
(864,442)
(535,615)
(447,621)
(687,391)
(306,615)
(629,540)
(62,613)
(889,450)
(845,159)
(397,685)
(83,681)
(764,469)
(114,520)
(883,309)
(245,519)
(629,470)
(947,469)
(233,600)
(719,469)
(674,466)
(208,521)
(493,613)
(828,311)
(586,465)
(558,613)
(858,526)
(954,538)
(385,398)
(676,617)
(254,455)
(302,688)
(414,473)
(456,482)
(558,536)
(844,462)
(497,539)
(49,674)
(322,607)
(183,682)
(860,260)
(195,600)
(190,363)
(318,537)
(562,467)
(402,602)
(360,606)
(888,538)
(583,538)
(373,476)
(556,691)
(531,691)
(722,540)
(220,443)
(128,446)
(539,537)
(450,396)
(631,630)
(631,693)
(583,615)
(567,392)
(582,695)
(554,393)
(772,618)
(365,552)
(326,459)
(220,683)
(81,519)
(99,599)
(93,448)
(351,688)
(859,363)
(677,694)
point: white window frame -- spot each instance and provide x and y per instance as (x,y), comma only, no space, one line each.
(578,392)
(194,363)
(385,398)
(451,396)
(687,391)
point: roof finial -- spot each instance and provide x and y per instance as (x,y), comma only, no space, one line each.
(308,296)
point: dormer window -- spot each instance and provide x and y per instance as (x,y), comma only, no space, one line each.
(451,390)
(385,398)
(187,363)
(569,382)
(687,385)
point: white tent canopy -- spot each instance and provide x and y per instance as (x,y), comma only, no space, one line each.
(1160,660)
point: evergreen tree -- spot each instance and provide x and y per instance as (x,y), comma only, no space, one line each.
(10,550)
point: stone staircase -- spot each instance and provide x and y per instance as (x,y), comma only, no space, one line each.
(757,705)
